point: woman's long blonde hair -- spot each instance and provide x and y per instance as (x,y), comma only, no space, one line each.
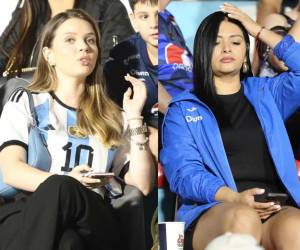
(97,114)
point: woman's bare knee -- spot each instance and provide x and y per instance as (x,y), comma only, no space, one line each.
(284,230)
(226,217)
(242,219)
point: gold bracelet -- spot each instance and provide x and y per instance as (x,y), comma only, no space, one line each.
(138,130)
(142,145)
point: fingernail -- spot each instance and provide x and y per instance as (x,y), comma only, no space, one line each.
(277,206)
(272,203)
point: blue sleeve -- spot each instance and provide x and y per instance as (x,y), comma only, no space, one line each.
(182,162)
(285,87)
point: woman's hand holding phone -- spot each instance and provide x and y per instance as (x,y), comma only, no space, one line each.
(264,209)
(102,178)
(89,178)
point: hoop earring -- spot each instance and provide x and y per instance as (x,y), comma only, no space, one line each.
(245,68)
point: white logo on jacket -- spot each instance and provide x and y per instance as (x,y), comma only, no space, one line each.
(190,118)
(191,109)
(139,73)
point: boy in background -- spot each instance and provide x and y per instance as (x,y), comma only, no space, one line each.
(138,57)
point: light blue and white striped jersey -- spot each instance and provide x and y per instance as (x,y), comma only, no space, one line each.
(54,119)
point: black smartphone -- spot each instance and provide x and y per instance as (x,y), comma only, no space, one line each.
(278,198)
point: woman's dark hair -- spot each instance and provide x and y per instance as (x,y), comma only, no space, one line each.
(203,47)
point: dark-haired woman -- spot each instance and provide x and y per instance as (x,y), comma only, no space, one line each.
(226,143)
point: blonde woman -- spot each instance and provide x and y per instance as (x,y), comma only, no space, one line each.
(84,131)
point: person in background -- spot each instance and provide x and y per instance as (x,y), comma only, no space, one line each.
(225,146)
(268,7)
(20,39)
(174,57)
(174,76)
(270,65)
(137,56)
(85,133)
(279,22)
(271,13)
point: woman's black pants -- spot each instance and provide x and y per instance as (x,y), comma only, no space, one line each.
(61,214)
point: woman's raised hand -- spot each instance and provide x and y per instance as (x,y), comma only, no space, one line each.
(250,25)
(133,103)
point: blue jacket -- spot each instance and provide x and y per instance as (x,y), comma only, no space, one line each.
(193,154)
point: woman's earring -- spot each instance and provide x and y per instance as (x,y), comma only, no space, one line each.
(245,67)
(51,63)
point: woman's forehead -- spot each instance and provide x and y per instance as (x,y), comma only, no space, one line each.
(75,25)
(230,29)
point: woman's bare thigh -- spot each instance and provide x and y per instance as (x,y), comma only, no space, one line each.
(282,229)
(222,218)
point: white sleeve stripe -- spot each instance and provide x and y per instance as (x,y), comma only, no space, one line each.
(13,96)
(19,96)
